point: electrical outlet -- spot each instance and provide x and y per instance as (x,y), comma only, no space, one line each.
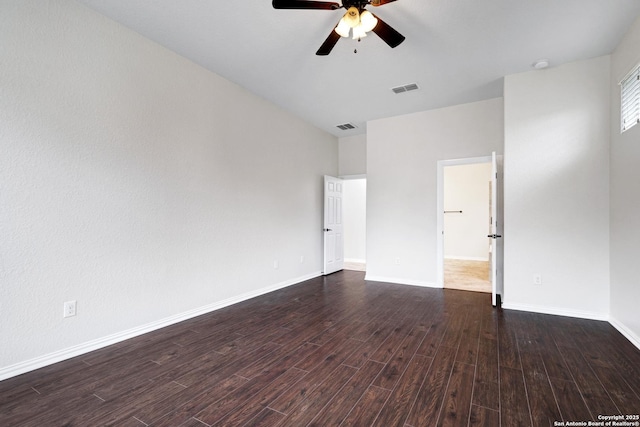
(537,279)
(69,309)
(276,264)
(397,260)
(301,259)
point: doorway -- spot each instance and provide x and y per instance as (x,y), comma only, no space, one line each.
(355,223)
(464,204)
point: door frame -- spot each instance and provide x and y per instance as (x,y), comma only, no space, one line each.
(497,229)
(440,207)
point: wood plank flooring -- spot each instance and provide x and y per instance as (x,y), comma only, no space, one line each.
(339,351)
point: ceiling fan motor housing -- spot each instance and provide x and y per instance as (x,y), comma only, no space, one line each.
(359,4)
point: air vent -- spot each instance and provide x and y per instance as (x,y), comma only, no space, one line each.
(346,126)
(405,88)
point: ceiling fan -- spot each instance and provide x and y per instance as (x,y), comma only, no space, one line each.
(357,20)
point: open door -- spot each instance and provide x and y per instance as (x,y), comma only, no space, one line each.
(333,227)
(497,228)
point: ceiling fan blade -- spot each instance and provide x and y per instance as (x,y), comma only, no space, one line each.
(329,43)
(387,33)
(303,4)
(380,2)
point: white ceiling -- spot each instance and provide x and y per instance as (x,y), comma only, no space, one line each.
(457,51)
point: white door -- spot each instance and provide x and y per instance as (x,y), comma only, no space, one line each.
(333,233)
(497,228)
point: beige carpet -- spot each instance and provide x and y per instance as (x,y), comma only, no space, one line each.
(467,275)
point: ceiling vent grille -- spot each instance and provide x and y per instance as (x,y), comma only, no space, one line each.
(346,126)
(405,88)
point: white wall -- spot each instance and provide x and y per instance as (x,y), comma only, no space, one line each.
(353,155)
(139,184)
(467,189)
(402,156)
(354,204)
(625,198)
(556,178)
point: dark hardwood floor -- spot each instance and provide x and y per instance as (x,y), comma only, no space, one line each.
(339,351)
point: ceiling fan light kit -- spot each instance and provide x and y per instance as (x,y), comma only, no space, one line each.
(343,28)
(368,21)
(352,17)
(359,32)
(357,20)
(361,23)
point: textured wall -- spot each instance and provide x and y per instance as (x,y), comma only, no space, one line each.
(353,155)
(137,183)
(402,162)
(355,220)
(556,178)
(467,188)
(625,197)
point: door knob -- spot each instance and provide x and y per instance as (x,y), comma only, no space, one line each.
(326,229)
(494,236)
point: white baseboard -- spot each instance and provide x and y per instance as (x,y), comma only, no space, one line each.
(468,258)
(628,334)
(77,350)
(397,281)
(556,311)
(359,261)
